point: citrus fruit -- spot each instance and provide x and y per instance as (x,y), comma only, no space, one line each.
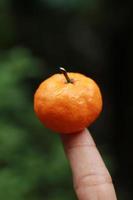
(67,102)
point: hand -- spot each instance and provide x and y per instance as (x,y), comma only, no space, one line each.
(91,178)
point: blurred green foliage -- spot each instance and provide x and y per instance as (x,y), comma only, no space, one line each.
(32,162)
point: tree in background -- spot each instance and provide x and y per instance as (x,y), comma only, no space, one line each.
(32,162)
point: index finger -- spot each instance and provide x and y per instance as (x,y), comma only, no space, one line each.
(91,178)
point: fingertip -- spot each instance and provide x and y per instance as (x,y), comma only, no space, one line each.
(80,138)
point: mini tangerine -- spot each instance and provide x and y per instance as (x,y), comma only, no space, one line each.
(67,102)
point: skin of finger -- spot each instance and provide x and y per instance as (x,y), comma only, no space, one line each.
(98,192)
(90,176)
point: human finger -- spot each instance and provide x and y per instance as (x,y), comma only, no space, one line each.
(91,178)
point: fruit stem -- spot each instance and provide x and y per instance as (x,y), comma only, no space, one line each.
(63,71)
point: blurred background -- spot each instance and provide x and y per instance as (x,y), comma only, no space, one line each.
(93,37)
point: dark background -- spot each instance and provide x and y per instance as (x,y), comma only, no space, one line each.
(93,37)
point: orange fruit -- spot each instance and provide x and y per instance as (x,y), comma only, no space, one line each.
(67,104)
